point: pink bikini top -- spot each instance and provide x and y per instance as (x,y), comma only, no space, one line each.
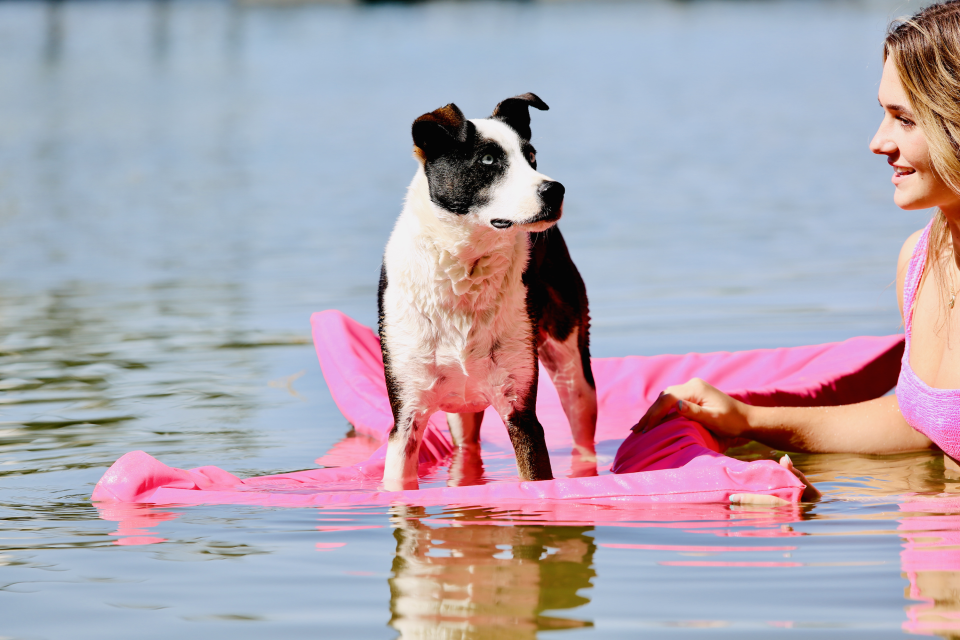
(933,412)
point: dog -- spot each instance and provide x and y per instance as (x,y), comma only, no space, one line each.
(477,284)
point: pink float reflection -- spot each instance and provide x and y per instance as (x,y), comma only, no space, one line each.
(930,560)
(689,548)
(134,521)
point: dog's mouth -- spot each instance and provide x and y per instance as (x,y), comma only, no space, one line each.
(543,219)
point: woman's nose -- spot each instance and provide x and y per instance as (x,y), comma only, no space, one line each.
(882,143)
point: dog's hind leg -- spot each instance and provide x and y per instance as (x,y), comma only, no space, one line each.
(466,468)
(465,428)
(568,364)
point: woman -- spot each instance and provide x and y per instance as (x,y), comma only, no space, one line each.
(920,136)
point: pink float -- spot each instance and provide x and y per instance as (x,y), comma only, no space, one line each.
(678,461)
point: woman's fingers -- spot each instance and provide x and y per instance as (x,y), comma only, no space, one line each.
(657,411)
(758,499)
(689,409)
(684,396)
(810,492)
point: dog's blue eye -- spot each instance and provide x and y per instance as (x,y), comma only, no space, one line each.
(487,159)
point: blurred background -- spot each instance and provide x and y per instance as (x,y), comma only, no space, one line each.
(249,160)
(183,182)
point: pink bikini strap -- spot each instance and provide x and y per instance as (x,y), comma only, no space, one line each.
(911,284)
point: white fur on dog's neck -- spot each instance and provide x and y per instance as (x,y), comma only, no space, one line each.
(471,261)
(455,296)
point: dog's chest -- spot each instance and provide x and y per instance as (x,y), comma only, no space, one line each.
(459,329)
(486,364)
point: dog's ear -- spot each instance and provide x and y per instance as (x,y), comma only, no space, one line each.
(515,112)
(439,131)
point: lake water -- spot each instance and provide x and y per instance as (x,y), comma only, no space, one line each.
(183,183)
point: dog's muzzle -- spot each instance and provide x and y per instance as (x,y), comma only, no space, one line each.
(551,195)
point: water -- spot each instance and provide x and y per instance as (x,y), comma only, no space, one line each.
(183,183)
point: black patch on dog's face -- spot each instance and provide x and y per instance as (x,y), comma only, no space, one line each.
(461,166)
(461,179)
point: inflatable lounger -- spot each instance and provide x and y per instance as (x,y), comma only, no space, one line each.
(679,461)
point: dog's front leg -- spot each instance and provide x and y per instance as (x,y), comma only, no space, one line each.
(403,451)
(526,434)
(568,363)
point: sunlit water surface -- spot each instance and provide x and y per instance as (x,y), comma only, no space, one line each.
(182,184)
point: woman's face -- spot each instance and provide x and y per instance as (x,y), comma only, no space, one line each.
(902,141)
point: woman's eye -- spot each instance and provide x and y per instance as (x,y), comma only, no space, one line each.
(487,159)
(905,122)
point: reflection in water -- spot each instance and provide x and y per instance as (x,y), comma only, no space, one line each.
(848,476)
(480,581)
(88,373)
(479,573)
(181,182)
(930,560)
(134,522)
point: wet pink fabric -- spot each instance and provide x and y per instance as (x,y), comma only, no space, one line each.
(933,412)
(678,461)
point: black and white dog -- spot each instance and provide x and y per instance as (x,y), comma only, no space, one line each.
(476,284)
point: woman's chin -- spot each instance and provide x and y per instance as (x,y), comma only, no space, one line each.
(910,202)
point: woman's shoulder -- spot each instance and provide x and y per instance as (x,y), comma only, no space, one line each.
(906,252)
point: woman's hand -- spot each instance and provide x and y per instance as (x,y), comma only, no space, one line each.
(701,403)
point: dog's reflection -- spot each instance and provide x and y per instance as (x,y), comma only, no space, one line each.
(470,580)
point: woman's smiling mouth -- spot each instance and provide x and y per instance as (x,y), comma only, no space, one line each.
(899,173)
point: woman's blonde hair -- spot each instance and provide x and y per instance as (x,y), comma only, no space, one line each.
(925,50)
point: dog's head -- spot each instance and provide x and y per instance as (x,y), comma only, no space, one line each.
(485,171)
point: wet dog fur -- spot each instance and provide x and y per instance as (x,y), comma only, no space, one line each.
(476,285)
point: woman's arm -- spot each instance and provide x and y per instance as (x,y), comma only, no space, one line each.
(875,426)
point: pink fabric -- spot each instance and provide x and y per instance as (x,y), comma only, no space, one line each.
(676,462)
(933,412)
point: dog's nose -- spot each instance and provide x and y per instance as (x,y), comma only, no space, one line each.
(551,193)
